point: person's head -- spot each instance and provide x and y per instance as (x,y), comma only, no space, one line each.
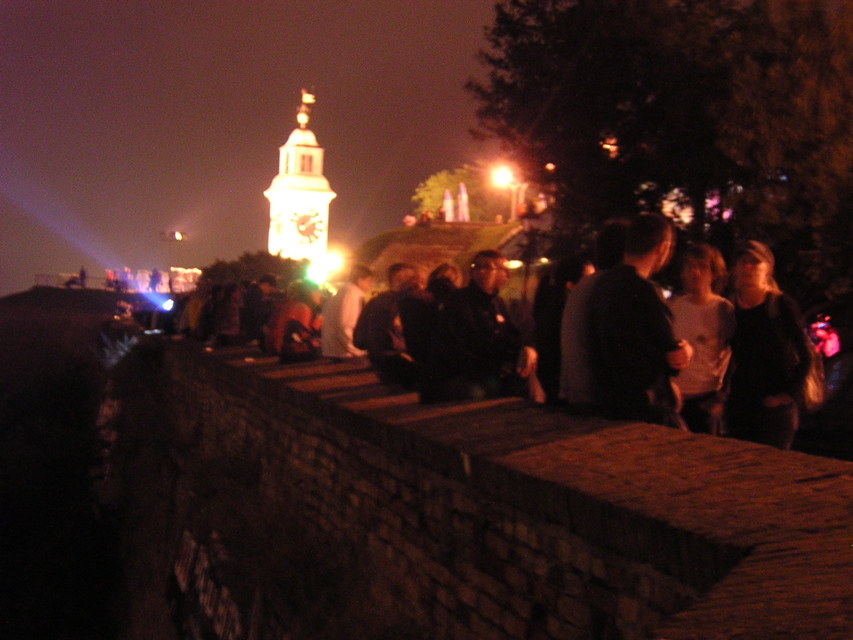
(403,277)
(362,277)
(268,283)
(447,272)
(489,271)
(232,291)
(702,269)
(650,236)
(305,291)
(753,267)
(569,271)
(610,243)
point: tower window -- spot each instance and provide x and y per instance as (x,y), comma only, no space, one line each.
(306,164)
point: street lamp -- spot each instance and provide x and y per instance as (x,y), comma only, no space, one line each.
(504,177)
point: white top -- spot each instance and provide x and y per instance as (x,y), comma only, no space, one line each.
(708,328)
(340,313)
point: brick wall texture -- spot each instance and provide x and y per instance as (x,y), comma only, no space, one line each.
(497,519)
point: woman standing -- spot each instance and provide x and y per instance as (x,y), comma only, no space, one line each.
(771,354)
(706,320)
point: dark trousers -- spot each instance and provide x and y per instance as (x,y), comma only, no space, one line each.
(753,422)
(703,414)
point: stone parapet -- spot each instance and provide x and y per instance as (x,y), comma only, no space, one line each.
(497,519)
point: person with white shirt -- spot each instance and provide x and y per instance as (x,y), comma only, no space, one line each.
(706,320)
(340,315)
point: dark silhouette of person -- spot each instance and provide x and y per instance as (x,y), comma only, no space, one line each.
(379,330)
(420,308)
(632,342)
(477,352)
(548,303)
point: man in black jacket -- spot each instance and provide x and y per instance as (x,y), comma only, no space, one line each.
(632,345)
(477,351)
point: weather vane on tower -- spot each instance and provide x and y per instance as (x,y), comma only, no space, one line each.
(304,110)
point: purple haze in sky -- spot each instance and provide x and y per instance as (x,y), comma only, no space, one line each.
(121,119)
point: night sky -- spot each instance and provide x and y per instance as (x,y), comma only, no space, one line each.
(120,119)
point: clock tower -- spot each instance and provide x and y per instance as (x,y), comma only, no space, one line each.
(300,195)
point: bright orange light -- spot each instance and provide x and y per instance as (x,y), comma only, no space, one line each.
(503,177)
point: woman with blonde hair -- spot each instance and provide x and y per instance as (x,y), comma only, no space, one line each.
(771,354)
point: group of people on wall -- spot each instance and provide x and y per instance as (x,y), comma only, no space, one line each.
(605,340)
(735,365)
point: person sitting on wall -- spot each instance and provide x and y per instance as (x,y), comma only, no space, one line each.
(477,352)
(258,301)
(340,314)
(293,329)
(420,309)
(379,330)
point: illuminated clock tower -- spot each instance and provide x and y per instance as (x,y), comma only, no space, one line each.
(300,195)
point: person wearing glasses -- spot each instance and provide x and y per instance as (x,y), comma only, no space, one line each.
(477,352)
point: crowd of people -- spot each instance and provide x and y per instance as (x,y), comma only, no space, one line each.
(727,355)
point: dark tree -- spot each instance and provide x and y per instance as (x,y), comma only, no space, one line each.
(789,127)
(251,266)
(608,93)
(634,101)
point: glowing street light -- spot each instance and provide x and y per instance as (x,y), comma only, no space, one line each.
(320,270)
(504,177)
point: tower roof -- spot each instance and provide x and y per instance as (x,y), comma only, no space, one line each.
(302,138)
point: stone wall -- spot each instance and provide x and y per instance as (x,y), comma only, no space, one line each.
(492,519)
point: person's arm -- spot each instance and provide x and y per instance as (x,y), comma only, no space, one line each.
(350,311)
(681,356)
(793,329)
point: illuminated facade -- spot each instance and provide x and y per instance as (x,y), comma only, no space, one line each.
(300,195)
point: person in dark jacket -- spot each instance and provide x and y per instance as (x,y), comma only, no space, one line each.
(477,352)
(771,354)
(634,350)
(420,309)
(379,330)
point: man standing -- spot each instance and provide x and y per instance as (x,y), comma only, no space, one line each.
(341,312)
(477,352)
(632,344)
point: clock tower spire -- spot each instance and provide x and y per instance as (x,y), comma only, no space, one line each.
(300,195)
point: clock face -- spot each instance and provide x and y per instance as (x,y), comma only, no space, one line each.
(309,225)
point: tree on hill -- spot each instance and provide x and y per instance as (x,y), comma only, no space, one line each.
(485,201)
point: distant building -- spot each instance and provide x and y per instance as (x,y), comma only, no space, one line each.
(300,195)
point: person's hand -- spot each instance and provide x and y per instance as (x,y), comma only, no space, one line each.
(679,358)
(527,359)
(778,400)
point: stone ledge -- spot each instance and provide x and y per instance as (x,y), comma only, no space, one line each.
(763,534)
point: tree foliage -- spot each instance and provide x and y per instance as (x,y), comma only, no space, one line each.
(631,100)
(251,266)
(485,201)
